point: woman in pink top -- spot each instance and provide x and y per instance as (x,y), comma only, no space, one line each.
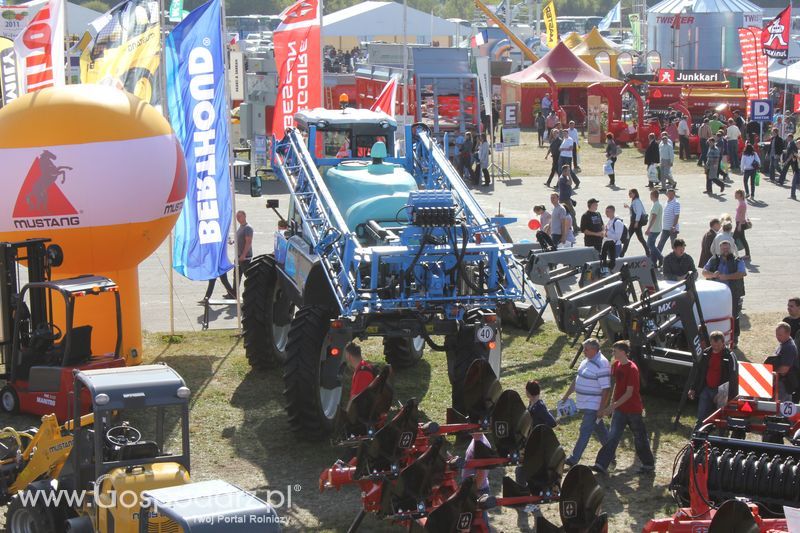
(741,222)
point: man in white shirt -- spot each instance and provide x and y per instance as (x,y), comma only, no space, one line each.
(566,154)
(683,137)
(732,134)
(666,156)
(573,134)
(670,227)
(592,386)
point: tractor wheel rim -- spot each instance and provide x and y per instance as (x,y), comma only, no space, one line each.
(280,334)
(8,401)
(23,522)
(329,399)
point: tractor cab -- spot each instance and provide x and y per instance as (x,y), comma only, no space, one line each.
(334,135)
(138,440)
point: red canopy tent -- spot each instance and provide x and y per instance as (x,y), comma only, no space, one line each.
(568,75)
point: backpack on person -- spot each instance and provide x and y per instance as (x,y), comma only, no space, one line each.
(625,233)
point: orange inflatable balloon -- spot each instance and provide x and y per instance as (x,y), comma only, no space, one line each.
(100,173)
(534,224)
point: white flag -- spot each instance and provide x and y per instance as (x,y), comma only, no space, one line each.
(611,17)
(40,49)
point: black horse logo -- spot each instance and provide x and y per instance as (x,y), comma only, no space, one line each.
(49,173)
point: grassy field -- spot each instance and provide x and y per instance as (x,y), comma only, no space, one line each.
(239,430)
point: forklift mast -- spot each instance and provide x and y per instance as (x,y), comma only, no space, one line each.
(39,258)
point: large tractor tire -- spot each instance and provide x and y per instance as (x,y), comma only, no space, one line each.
(403,352)
(266,314)
(312,379)
(29,517)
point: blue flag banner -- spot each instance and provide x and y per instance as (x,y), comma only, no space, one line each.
(612,17)
(198,112)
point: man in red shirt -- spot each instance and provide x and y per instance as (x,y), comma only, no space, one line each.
(626,410)
(363,371)
(717,366)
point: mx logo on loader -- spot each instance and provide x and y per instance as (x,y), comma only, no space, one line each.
(501,429)
(41,203)
(665,308)
(464,522)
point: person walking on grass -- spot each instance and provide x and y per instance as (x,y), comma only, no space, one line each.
(575,136)
(713,159)
(592,386)
(612,151)
(638,219)
(750,164)
(728,269)
(625,409)
(554,152)
(654,229)
(741,225)
(541,127)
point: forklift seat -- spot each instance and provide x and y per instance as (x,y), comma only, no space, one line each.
(145,449)
(80,345)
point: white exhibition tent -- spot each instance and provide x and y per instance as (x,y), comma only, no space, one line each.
(370,18)
(78,18)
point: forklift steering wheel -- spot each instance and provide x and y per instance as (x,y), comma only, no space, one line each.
(123,435)
(48,331)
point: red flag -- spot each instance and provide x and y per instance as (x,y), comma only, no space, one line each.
(676,22)
(754,65)
(297,56)
(387,100)
(775,35)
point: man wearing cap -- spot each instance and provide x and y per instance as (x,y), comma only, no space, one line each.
(592,225)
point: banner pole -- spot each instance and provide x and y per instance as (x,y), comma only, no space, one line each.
(405,66)
(162,97)
(65,44)
(231,229)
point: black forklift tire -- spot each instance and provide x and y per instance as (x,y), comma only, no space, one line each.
(30,517)
(264,342)
(9,400)
(403,352)
(306,351)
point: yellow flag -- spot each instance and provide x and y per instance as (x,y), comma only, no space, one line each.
(550,24)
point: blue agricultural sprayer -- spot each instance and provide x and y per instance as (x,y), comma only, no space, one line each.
(373,245)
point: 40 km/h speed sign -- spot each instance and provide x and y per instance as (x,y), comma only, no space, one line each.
(484,334)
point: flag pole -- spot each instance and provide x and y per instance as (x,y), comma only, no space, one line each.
(786,72)
(405,65)
(225,71)
(162,96)
(322,55)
